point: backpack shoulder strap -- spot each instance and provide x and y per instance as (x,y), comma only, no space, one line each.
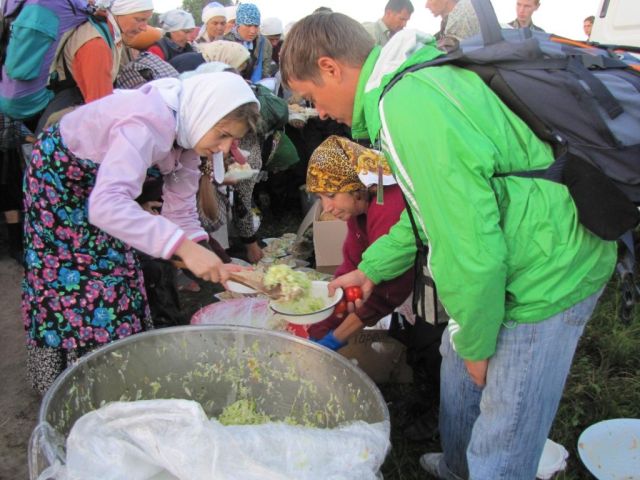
(103,30)
(419,244)
(442,60)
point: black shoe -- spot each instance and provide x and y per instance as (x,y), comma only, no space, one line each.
(14,231)
(423,428)
(17,255)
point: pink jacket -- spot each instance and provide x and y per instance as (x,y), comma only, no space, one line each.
(126,133)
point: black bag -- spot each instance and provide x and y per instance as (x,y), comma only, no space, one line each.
(162,294)
(584,101)
(274,111)
(425,299)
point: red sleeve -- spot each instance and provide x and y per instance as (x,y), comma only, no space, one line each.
(352,250)
(92,67)
(388,295)
(156,50)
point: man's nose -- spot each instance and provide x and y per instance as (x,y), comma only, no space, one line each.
(322,113)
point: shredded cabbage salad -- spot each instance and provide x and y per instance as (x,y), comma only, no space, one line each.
(296,289)
(292,284)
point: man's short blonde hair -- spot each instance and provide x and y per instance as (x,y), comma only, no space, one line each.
(333,35)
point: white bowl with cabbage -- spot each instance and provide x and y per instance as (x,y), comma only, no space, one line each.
(303,301)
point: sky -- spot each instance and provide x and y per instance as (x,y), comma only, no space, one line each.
(562,17)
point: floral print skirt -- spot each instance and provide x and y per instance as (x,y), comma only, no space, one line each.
(82,288)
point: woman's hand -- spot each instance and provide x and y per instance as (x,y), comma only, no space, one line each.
(355,278)
(204,263)
(152,207)
(254,252)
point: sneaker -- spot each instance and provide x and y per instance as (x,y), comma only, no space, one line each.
(430,462)
(434,465)
(423,428)
(17,255)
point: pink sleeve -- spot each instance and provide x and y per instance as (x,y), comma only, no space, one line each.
(179,196)
(125,133)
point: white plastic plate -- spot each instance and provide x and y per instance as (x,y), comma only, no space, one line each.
(611,449)
(237,175)
(236,287)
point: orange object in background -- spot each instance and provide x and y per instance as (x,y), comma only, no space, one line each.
(145,39)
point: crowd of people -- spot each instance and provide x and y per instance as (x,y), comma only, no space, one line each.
(127,173)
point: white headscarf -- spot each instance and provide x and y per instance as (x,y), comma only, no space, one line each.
(207,67)
(211,11)
(126,7)
(175,20)
(231,53)
(271,26)
(202,101)
(231,12)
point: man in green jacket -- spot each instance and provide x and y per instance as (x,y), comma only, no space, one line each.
(516,272)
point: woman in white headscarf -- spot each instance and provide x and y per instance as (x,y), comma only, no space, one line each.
(230,12)
(177,25)
(231,53)
(214,21)
(84,287)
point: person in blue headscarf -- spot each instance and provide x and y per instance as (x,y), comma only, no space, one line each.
(247,32)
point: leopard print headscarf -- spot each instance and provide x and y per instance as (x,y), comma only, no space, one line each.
(339,165)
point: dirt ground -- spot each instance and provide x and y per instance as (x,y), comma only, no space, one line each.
(18,402)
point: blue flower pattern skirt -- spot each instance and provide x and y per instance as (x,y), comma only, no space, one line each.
(82,288)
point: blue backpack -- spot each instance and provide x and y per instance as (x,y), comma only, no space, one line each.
(30,34)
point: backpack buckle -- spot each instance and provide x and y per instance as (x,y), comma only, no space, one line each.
(592,61)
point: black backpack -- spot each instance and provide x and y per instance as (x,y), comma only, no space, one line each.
(582,99)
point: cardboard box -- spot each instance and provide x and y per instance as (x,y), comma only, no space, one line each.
(381,357)
(328,237)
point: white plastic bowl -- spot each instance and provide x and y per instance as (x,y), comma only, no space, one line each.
(611,449)
(318,289)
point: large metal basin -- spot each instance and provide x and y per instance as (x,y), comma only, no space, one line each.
(215,365)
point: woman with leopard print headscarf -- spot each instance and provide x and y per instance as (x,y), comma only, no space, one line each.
(347,178)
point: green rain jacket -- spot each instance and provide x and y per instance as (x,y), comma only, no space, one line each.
(503,250)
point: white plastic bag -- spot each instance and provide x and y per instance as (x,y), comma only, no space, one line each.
(247,312)
(174,439)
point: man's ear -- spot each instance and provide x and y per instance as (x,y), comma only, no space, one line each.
(329,68)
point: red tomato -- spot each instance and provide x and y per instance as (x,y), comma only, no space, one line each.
(352,293)
(340,307)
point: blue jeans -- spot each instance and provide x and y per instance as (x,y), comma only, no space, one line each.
(498,431)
